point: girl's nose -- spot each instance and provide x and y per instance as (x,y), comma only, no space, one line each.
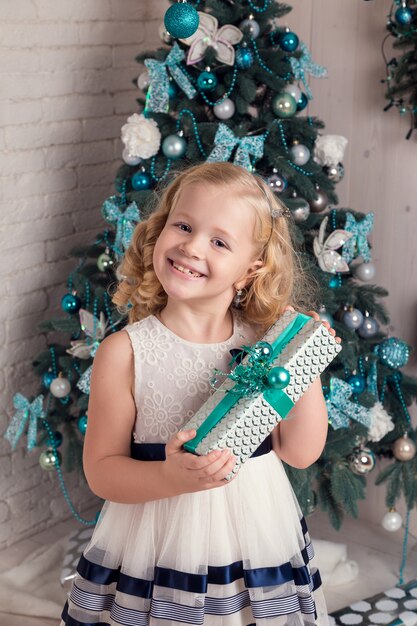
(193,247)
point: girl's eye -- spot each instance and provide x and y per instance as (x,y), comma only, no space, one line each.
(219,243)
(183,227)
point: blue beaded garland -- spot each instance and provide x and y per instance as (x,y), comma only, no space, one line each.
(207,81)
(302,102)
(141,180)
(403,16)
(288,41)
(357,382)
(82,424)
(181,20)
(393,352)
(244,58)
(70,303)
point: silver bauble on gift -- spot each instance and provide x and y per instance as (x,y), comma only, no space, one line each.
(364,271)
(404,448)
(129,159)
(392,521)
(224,110)
(352,318)
(144,80)
(251,25)
(362,461)
(335,172)
(320,202)
(174,147)
(277,183)
(368,328)
(293,90)
(300,210)
(299,154)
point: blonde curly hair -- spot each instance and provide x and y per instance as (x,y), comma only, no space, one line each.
(279,282)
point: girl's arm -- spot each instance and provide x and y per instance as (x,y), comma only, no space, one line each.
(110,472)
(300,440)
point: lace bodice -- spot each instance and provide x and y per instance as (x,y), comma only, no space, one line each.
(172,375)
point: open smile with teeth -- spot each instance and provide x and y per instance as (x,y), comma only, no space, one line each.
(185,270)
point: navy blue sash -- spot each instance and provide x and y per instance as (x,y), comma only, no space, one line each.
(156,451)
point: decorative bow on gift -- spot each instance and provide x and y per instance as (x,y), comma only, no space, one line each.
(305,65)
(125,221)
(26,412)
(255,377)
(341,410)
(157,98)
(358,244)
(225,141)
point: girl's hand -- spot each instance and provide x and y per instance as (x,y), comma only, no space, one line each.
(331,330)
(188,473)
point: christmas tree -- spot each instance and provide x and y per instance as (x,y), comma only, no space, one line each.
(230,84)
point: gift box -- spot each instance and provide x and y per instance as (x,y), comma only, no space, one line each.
(262,390)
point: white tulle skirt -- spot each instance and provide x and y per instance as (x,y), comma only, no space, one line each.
(234,556)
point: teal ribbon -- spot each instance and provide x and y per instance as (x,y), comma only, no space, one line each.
(157,97)
(225,141)
(341,410)
(277,398)
(25,412)
(124,220)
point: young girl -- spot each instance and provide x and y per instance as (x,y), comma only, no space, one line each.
(207,272)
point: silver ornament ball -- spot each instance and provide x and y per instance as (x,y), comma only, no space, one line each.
(326,317)
(320,202)
(293,90)
(144,80)
(301,211)
(392,521)
(404,449)
(60,387)
(352,318)
(364,271)
(130,159)
(362,461)
(277,183)
(224,110)
(251,25)
(174,147)
(368,328)
(335,172)
(299,154)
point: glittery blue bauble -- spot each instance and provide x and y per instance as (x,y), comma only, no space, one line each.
(357,382)
(174,147)
(58,438)
(82,424)
(47,378)
(278,377)
(141,180)
(288,41)
(181,20)
(302,102)
(403,16)
(333,282)
(207,81)
(244,58)
(393,352)
(70,303)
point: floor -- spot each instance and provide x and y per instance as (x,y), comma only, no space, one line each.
(377,552)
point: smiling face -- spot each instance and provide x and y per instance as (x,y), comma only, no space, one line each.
(206,250)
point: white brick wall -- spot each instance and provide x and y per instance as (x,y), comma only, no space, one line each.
(65,91)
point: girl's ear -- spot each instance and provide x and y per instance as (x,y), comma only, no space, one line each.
(250,273)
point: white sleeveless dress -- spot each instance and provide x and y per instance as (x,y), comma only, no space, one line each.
(237,555)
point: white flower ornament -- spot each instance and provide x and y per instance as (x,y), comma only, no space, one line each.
(329,150)
(141,136)
(208,34)
(328,259)
(95,330)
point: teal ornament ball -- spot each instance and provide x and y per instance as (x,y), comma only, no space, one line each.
(70,303)
(243,58)
(263,350)
(47,378)
(141,180)
(58,438)
(207,81)
(181,20)
(393,352)
(302,102)
(173,90)
(288,41)
(333,282)
(174,147)
(48,458)
(284,105)
(82,424)
(357,382)
(278,377)
(403,16)
(104,262)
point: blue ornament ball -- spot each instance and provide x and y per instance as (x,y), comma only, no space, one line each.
(82,424)
(288,41)
(207,81)
(263,350)
(352,319)
(141,180)
(393,352)
(70,303)
(333,282)
(357,382)
(47,378)
(369,328)
(403,16)
(181,20)
(174,147)
(58,438)
(278,377)
(244,58)
(302,102)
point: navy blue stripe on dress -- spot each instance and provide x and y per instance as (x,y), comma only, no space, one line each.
(156,451)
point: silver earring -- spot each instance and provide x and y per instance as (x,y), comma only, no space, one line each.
(238,297)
